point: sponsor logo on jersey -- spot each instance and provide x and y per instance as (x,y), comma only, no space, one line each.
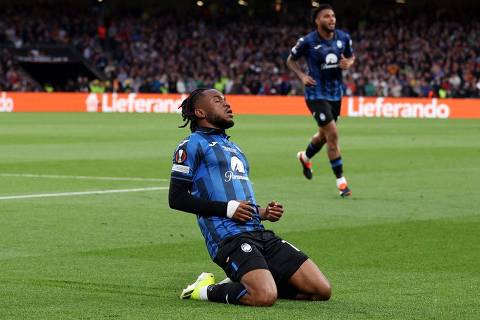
(331,61)
(237,165)
(237,172)
(229,149)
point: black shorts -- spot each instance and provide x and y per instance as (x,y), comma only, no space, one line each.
(324,111)
(259,250)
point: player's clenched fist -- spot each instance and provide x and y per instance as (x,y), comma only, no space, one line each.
(273,212)
(241,211)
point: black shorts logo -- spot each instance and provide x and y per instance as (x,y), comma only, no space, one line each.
(246,247)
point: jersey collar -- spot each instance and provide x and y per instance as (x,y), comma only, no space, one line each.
(319,37)
(212,131)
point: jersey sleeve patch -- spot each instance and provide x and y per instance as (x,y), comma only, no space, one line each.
(299,49)
(180,156)
(181,168)
(185,160)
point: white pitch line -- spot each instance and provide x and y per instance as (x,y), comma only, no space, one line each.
(81,193)
(53,176)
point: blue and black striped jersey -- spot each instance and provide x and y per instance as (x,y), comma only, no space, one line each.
(323,58)
(218,170)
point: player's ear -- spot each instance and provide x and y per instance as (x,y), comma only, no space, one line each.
(200,114)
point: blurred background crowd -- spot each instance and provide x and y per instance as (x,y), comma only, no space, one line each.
(413,53)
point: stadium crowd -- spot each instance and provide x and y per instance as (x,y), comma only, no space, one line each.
(432,56)
(11,76)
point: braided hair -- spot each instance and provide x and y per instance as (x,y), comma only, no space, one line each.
(188,109)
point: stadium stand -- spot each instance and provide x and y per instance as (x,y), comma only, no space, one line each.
(430,56)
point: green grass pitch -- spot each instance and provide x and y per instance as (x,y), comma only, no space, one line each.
(405,246)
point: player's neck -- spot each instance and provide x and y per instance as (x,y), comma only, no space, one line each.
(327,35)
(207,125)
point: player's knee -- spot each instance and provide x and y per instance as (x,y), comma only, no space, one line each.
(326,292)
(265,297)
(268,298)
(332,137)
(323,292)
(332,146)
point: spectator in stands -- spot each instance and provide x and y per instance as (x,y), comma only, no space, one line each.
(147,54)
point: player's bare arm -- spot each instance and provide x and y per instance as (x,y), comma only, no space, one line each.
(295,67)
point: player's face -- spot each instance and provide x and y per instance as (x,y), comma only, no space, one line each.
(218,112)
(326,20)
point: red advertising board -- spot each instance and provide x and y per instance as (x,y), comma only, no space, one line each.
(241,104)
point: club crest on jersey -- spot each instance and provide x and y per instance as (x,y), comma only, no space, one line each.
(339,44)
(180,156)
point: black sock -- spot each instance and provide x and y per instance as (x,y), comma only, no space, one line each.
(312,150)
(337,167)
(226,292)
